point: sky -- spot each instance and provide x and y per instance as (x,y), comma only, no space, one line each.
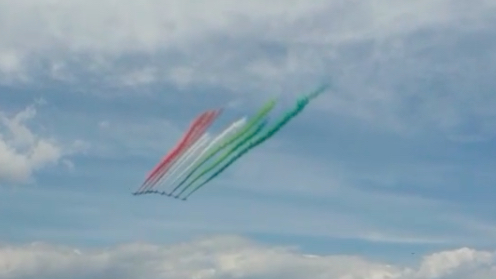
(389,174)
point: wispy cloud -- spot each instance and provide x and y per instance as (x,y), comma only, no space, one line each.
(409,67)
(23,152)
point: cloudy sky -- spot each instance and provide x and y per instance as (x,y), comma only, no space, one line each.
(390,174)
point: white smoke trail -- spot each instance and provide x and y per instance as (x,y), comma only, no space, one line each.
(233,128)
(192,152)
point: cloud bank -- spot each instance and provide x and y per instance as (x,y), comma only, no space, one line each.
(415,66)
(225,257)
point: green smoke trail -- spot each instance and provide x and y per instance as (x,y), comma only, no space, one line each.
(231,130)
(300,105)
(262,112)
(226,154)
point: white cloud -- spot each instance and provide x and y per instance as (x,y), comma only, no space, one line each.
(22,152)
(444,263)
(228,257)
(408,66)
(11,67)
(141,76)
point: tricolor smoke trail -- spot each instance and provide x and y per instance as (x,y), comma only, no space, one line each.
(192,152)
(228,132)
(197,134)
(193,126)
(197,128)
(228,153)
(300,105)
(264,110)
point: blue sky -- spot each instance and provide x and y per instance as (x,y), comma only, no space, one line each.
(396,158)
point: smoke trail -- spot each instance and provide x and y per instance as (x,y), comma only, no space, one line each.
(192,127)
(192,152)
(228,132)
(191,136)
(166,164)
(177,153)
(264,110)
(300,105)
(201,130)
(226,154)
